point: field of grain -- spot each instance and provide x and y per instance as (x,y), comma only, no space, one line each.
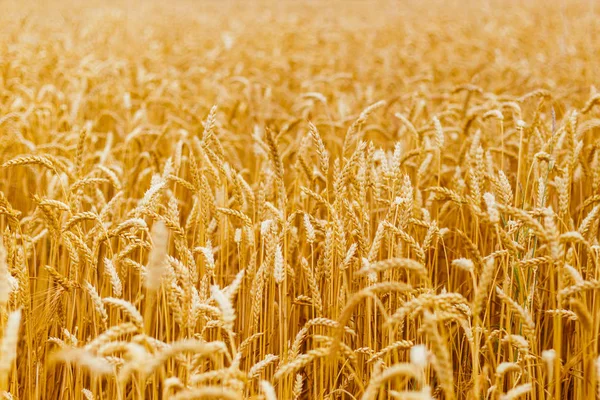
(299,200)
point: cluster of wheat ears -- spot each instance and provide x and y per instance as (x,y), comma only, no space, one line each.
(315,200)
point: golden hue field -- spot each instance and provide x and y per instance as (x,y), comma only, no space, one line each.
(299,200)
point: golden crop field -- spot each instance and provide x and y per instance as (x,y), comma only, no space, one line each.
(299,200)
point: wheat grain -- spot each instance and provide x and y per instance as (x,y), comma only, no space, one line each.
(283,201)
(8,348)
(157,256)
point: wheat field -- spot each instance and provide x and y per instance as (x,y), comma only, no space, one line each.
(299,200)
